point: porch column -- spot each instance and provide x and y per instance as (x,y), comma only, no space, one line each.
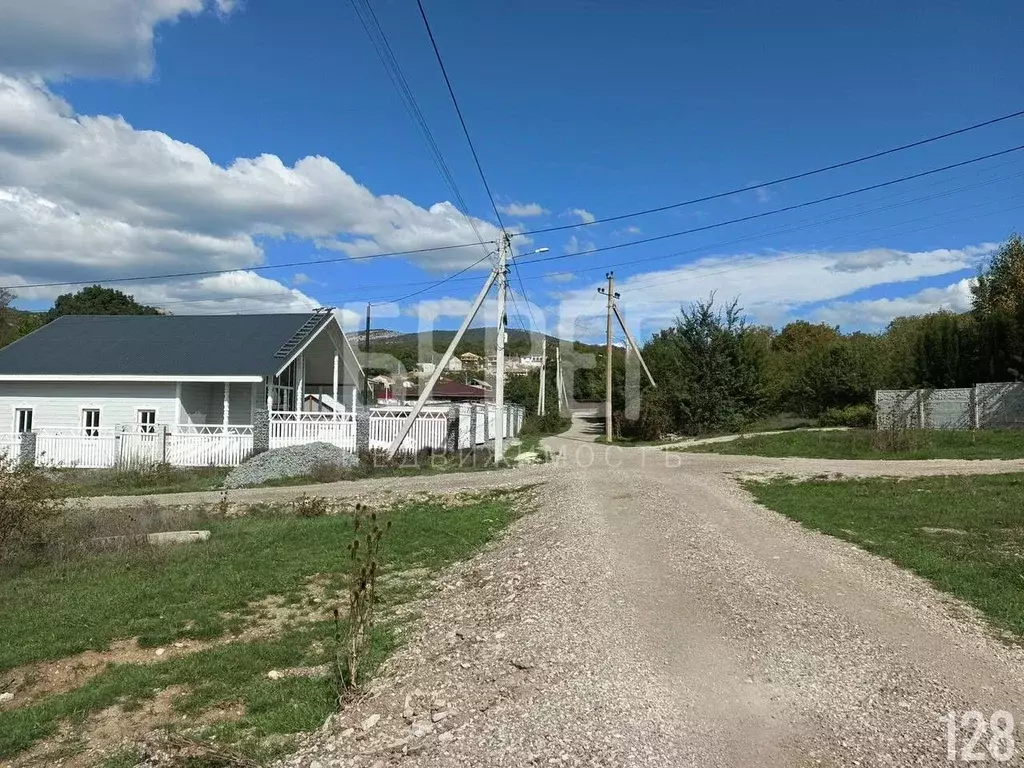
(177,404)
(334,387)
(300,383)
(270,393)
(227,403)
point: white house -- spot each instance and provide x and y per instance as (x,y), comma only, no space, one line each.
(94,376)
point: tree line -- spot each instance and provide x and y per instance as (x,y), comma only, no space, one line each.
(716,371)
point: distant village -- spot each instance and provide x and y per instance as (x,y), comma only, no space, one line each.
(468,378)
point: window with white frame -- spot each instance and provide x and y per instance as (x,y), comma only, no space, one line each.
(91,421)
(147,420)
(22,420)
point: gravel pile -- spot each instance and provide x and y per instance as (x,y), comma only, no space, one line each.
(291,461)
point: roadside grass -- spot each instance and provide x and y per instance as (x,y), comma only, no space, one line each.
(159,478)
(167,479)
(870,444)
(964,534)
(207,590)
(776,422)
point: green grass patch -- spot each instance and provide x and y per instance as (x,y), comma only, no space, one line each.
(964,534)
(871,444)
(160,478)
(53,611)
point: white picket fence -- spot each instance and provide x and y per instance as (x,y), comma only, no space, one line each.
(88,449)
(216,445)
(429,431)
(10,446)
(298,428)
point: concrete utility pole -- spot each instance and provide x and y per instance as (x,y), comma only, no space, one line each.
(612,296)
(632,343)
(504,251)
(427,388)
(543,364)
(367,395)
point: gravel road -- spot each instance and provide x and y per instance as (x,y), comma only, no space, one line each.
(652,614)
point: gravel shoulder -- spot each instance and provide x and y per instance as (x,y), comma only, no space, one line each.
(655,615)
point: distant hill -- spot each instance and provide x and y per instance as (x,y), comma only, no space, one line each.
(519,340)
(13,324)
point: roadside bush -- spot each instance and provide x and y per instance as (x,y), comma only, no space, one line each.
(29,502)
(657,415)
(551,423)
(896,438)
(862,415)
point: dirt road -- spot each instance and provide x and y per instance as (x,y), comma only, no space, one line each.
(653,614)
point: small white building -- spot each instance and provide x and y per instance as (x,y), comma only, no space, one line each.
(96,376)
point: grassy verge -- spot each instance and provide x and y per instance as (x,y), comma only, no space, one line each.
(872,444)
(964,534)
(161,478)
(168,479)
(773,423)
(210,590)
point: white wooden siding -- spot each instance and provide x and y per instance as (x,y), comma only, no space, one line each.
(58,405)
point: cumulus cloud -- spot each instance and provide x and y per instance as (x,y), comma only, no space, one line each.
(877,313)
(876,258)
(584,215)
(89,197)
(770,287)
(523,209)
(90,38)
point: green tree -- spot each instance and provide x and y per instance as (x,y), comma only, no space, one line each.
(998,308)
(709,369)
(97,300)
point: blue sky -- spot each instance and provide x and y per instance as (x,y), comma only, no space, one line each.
(267,132)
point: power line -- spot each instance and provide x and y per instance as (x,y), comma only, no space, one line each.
(785,209)
(458,111)
(442,281)
(374,31)
(254,268)
(782,180)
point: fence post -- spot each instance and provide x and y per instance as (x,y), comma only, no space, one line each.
(27,449)
(362,413)
(487,423)
(473,416)
(451,437)
(975,408)
(920,409)
(260,431)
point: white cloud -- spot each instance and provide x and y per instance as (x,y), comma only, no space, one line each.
(301,278)
(523,209)
(559,277)
(585,216)
(769,287)
(86,198)
(762,194)
(876,258)
(90,38)
(877,313)
(575,245)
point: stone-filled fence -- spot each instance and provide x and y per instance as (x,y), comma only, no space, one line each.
(983,406)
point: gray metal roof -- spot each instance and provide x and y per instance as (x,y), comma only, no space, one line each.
(155,345)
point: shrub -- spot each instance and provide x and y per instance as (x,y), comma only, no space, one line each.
(29,501)
(551,423)
(311,506)
(862,415)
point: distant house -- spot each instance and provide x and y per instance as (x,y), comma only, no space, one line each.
(90,374)
(471,361)
(454,391)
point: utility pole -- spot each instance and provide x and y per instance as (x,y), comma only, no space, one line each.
(543,365)
(632,343)
(366,359)
(612,296)
(504,249)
